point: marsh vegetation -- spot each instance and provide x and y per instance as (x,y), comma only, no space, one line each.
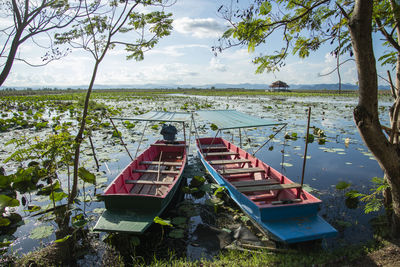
(37,142)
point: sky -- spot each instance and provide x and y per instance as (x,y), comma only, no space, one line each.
(183,58)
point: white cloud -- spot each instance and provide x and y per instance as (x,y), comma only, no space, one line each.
(175,50)
(6,22)
(216,65)
(199,28)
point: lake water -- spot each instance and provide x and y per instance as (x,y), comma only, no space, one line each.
(342,157)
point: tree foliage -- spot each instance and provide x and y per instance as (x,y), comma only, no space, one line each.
(137,25)
(349,26)
(27,19)
(303,26)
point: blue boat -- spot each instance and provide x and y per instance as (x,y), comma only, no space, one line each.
(276,204)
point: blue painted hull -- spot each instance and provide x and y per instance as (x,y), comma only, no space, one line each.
(291,223)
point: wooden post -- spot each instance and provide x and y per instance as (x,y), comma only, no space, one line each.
(141,138)
(159,166)
(94,153)
(120,137)
(196,134)
(240,138)
(305,151)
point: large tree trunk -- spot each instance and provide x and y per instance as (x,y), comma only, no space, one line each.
(366,113)
(11,56)
(79,136)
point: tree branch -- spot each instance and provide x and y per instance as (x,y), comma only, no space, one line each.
(392,86)
(326,74)
(344,13)
(387,35)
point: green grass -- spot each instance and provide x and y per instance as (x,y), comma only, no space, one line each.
(71,94)
(348,256)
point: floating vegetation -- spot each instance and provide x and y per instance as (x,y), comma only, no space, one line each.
(38,136)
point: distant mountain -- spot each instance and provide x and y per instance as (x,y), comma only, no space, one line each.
(320,86)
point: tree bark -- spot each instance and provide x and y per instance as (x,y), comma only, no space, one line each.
(79,136)
(366,113)
(11,55)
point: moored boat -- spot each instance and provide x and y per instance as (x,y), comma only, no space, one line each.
(145,188)
(275,203)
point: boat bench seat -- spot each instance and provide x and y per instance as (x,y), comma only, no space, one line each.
(213,147)
(156,171)
(230,161)
(286,201)
(173,145)
(228,153)
(240,170)
(255,182)
(148,182)
(270,187)
(162,163)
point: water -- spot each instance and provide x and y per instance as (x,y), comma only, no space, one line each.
(343,157)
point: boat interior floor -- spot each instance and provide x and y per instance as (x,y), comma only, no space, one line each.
(158,176)
(248,179)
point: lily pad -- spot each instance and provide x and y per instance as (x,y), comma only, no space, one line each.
(6,201)
(98,210)
(135,241)
(177,233)
(41,232)
(4,222)
(342,185)
(179,221)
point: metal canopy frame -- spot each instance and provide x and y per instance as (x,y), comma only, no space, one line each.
(161,116)
(228,119)
(218,117)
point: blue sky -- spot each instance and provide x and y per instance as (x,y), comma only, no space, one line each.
(184,57)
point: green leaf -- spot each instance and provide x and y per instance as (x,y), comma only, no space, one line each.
(5,181)
(213,202)
(41,232)
(79,221)
(321,141)
(310,138)
(86,175)
(179,221)
(135,241)
(6,201)
(4,222)
(244,219)
(116,134)
(58,195)
(61,240)
(265,8)
(342,185)
(209,188)
(46,190)
(177,233)
(228,33)
(213,127)
(219,190)
(162,221)
(5,244)
(33,208)
(353,194)
(197,181)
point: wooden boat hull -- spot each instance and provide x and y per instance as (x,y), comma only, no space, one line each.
(144,189)
(290,222)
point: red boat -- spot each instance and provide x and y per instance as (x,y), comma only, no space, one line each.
(144,189)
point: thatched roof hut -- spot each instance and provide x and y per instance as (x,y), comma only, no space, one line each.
(279,85)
